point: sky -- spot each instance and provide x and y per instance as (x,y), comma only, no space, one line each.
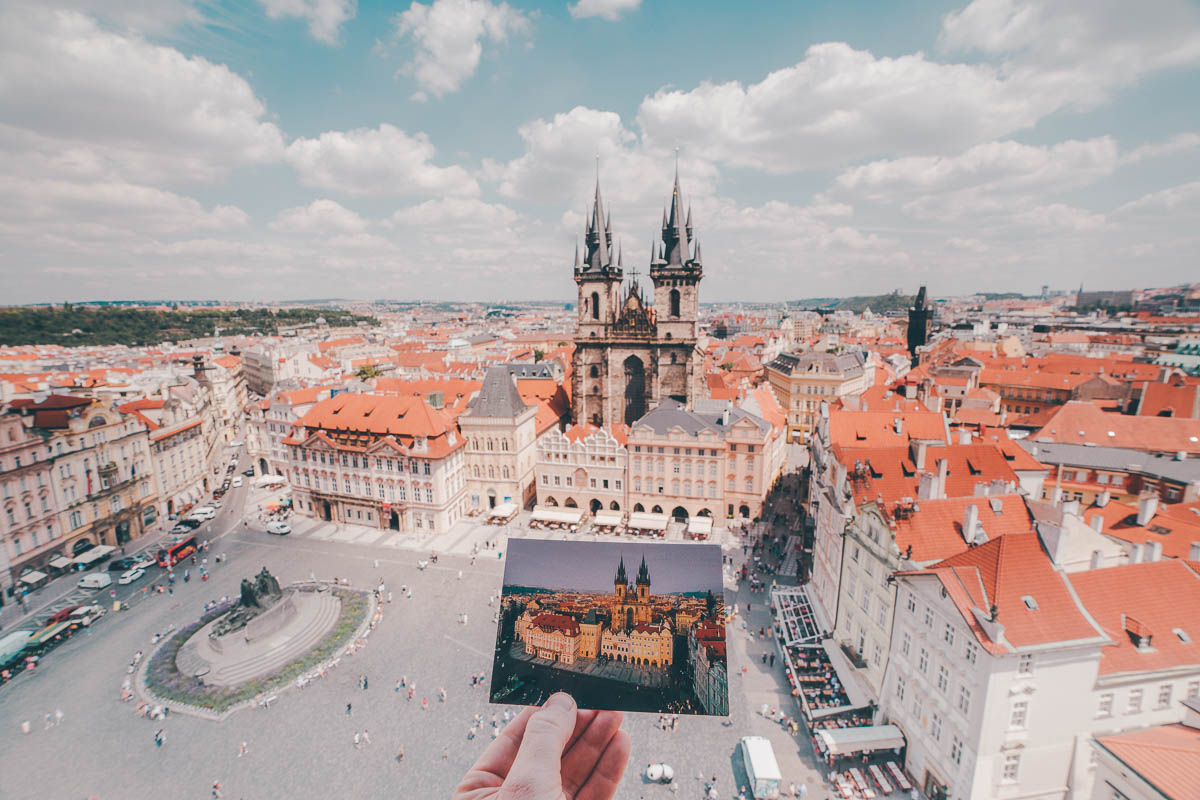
(591,566)
(447,150)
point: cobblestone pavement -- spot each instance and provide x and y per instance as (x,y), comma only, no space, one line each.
(612,670)
(302,746)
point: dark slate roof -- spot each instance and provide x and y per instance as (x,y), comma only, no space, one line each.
(1118,459)
(498,397)
(672,414)
(845,363)
(527,370)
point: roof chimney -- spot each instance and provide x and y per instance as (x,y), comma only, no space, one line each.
(1153,551)
(898,425)
(1147,508)
(1103,498)
(964,435)
(970,521)
(1097,523)
(943,467)
(925,487)
(1135,554)
(917,450)
(1194,552)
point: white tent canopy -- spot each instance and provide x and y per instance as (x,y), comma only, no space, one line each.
(570,516)
(700,525)
(603,517)
(94,554)
(503,510)
(61,562)
(33,577)
(269,480)
(649,522)
(844,741)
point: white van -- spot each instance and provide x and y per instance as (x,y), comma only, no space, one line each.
(203,513)
(86,615)
(761,767)
(96,580)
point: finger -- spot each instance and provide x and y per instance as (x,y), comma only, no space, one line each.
(497,757)
(581,757)
(546,735)
(583,719)
(602,783)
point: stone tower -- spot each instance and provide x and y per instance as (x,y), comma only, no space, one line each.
(629,356)
(621,582)
(920,320)
(643,582)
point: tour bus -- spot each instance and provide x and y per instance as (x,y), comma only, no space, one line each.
(761,767)
(172,555)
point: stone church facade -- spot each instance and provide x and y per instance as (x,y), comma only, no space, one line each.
(630,356)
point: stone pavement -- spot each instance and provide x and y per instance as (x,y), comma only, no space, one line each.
(302,746)
(611,670)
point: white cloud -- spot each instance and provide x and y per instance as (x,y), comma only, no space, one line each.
(1060,215)
(380,161)
(325,17)
(317,218)
(146,110)
(995,176)
(448,37)
(1176,144)
(610,10)
(1167,205)
(1075,52)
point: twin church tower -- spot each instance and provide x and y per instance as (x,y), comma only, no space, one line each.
(629,357)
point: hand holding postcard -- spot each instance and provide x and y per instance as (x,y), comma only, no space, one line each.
(620,626)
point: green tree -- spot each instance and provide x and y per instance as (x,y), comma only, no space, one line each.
(367,371)
(538,355)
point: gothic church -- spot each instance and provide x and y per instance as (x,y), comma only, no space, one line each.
(629,356)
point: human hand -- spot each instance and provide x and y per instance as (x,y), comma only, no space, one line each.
(557,752)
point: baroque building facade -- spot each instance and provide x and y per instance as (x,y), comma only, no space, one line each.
(628,356)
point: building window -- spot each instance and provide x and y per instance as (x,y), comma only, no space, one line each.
(1135,702)
(912,604)
(1193,690)
(1025,664)
(949,635)
(943,680)
(1164,695)
(1020,712)
(935,726)
(923,661)
(545,479)
(429,497)
(971,652)
(929,618)
(956,748)
(964,700)
(900,687)
(1012,767)
(905,643)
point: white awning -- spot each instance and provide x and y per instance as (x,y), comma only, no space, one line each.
(95,553)
(570,516)
(34,577)
(503,510)
(700,525)
(844,741)
(61,562)
(269,480)
(603,517)
(649,522)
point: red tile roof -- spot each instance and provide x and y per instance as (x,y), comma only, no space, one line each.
(556,622)
(1001,573)
(893,475)
(935,531)
(876,428)
(1153,598)
(1166,757)
(1079,423)
(1174,399)
(1175,527)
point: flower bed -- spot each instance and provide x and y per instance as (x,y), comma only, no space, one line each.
(165,680)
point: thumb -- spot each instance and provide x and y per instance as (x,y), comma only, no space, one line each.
(537,766)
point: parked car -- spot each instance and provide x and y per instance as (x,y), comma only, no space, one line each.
(238,443)
(278,528)
(143,560)
(121,564)
(188,524)
(59,616)
(237,482)
(216,501)
(95,580)
(131,576)
(249,473)
(203,513)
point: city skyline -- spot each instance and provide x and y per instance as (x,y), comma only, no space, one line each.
(590,566)
(271,147)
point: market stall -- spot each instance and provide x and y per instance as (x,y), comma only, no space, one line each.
(608,521)
(94,556)
(699,527)
(502,514)
(647,524)
(559,518)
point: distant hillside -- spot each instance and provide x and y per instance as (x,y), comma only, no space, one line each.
(879,304)
(74,326)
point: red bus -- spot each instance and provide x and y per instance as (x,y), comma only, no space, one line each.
(170,556)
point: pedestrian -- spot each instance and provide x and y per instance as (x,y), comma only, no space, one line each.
(445,753)
(49,720)
(410,693)
(772,659)
(377,563)
(216,790)
(348,709)
(357,741)
(464,619)
(424,703)
(389,598)
(399,683)
(460,574)
(242,749)
(58,713)
(159,737)
(400,753)
(366,736)
(442,693)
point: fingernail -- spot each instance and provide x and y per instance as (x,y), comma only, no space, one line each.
(560,701)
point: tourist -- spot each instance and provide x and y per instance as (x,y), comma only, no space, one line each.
(58,713)
(445,753)
(424,703)
(399,683)
(400,753)
(357,741)
(242,749)
(159,737)
(410,693)
(442,693)
(348,709)
(216,790)
(366,736)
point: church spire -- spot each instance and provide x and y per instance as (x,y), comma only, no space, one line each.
(643,576)
(677,228)
(599,233)
(621,578)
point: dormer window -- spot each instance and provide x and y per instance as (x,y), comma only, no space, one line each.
(1029,602)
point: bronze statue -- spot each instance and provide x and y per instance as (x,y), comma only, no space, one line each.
(256,597)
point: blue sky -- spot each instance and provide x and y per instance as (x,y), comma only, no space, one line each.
(285,149)
(592,566)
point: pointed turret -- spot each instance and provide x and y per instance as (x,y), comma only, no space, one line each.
(699,260)
(643,576)
(599,235)
(578,263)
(677,230)
(621,578)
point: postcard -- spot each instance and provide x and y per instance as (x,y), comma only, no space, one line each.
(619,625)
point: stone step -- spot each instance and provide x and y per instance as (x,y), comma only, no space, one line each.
(303,640)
